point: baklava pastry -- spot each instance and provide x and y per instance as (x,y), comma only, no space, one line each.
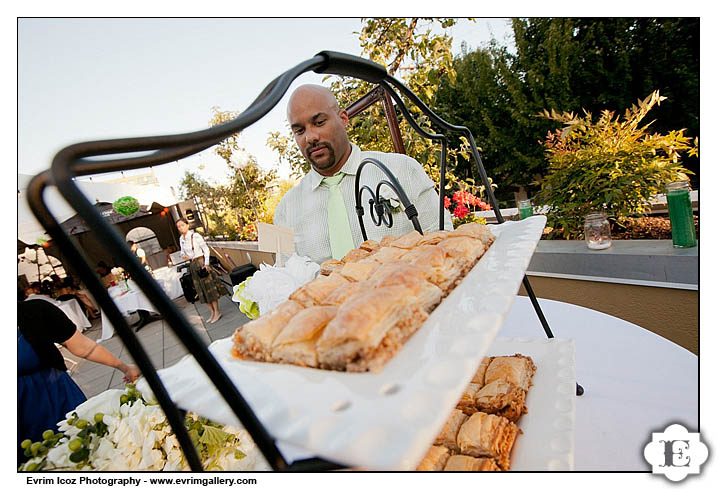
(314,292)
(501,398)
(466,250)
(359,271)
(481,372)
(387,240)
(460,463)
(345,292)
(435,459)
(475,231)
(296,343)
(517,370)
(466,403)
(369,329)
(355,255)
(407,241)
(412,276)
(329,266)
(445,269)
(488,435)
(370,246)
(433,238)
(387,254)
(450,431)
(254,339)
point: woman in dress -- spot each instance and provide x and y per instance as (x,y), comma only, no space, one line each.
(207,284)
(45,392)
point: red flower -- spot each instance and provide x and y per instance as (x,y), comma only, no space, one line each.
(447,202)
(461,211)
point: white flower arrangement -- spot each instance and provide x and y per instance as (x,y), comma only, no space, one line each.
(118,431)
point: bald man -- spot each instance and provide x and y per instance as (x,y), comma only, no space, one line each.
(321,208)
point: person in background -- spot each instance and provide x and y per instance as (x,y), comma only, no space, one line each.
(105,273)
(68,291)
(34,291)
(321,209)
(207,284)
(140,253)
(45,391)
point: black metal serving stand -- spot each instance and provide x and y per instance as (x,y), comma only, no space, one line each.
(105,156)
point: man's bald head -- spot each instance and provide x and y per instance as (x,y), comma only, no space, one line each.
(319,128)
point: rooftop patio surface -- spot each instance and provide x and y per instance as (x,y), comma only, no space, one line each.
(161,344)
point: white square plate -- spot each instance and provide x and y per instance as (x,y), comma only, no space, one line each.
(385,420)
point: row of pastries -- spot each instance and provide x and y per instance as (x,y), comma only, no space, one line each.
(480,432)
(361,310)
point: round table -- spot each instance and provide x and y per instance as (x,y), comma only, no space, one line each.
(169,280)
(635,382)
(127,302)
(74,312)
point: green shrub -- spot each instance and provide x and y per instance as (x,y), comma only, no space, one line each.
(611,165)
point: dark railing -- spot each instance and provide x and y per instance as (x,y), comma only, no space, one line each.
(132,153)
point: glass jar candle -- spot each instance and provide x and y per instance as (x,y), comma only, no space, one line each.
(597,231)
(680,211)
(525,209)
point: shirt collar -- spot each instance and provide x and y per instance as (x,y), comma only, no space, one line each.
(350,167)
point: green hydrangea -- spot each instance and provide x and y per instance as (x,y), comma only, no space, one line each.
(127,205)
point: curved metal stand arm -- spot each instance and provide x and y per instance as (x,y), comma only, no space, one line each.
(380,210)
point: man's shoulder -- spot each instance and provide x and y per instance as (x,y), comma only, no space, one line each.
(302,186)
(389,158)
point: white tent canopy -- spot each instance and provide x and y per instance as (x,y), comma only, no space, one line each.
(29,229)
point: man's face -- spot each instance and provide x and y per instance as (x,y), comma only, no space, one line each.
(319,129)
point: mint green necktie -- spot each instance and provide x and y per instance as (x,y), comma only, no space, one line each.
(340,233)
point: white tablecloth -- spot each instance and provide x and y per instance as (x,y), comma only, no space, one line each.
(74,312)
(635,382)
(131,301)
(169,280)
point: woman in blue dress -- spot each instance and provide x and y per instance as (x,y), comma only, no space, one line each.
(45,392)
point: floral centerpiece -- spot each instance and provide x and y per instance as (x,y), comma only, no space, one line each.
(463,205)
(119,431)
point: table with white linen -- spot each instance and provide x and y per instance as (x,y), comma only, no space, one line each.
(635,382)
(128,302)
(74,312)
(169,280)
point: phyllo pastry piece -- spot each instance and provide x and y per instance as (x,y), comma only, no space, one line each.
(370,246)
(481,372)
(433,238)
(329,266)
(501,398)
(517,370)
(296,343)
(254,339)
(475,231)
(413,276)
(314,292)
(445,269)
(466,250)
(459,463)
(450,431)
(488,435)
(369,329)
(355,255)
(387,240)
(387,254)
(435,459)
(407,241)
(345,292)
(466,403)
(359,271)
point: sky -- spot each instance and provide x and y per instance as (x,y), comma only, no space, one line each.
(89,79)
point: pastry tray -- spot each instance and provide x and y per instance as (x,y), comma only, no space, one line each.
(376,421)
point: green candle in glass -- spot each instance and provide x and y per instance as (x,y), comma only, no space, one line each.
(525,209)
(680,211)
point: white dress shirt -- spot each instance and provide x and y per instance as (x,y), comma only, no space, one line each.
(304,207)
(200,247)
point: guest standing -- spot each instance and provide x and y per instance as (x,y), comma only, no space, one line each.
(205,279)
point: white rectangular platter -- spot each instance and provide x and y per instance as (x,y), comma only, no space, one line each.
(385,420)
(547,442)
